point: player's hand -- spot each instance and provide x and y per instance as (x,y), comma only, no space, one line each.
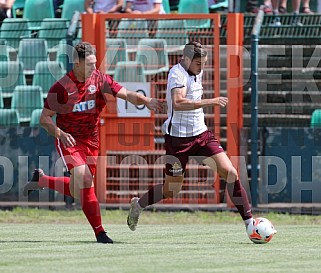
(155,105)
(67,140)
(222,101)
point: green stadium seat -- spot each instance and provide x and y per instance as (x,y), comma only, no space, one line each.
(53,30)
(153,55)
(35,118)
(174,32)
(70,6)
(9,117)
(13,30)
(316,118)
(62,55)
(25,99)
(132,31)
(11,75)
(166,6)
(192,6)
(4,53)
(219,5)
(30,52)
(18,7)
(37,10)
(116,51)
(1,99)
(129,72)
(46,74)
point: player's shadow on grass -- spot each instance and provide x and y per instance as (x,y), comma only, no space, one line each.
(23,241)
(44,241)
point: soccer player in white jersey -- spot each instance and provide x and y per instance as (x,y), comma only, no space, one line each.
(186,135)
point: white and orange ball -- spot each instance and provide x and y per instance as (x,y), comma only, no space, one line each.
(260,231)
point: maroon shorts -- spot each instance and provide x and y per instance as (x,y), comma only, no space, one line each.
(180,149)
(83,153)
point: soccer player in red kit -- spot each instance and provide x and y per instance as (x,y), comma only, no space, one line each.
(77,99)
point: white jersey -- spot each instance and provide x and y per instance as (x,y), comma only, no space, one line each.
(184,123)
(103,5)
(146,5)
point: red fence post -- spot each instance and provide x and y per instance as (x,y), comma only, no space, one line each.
(235,36)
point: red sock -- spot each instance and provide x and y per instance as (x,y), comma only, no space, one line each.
(239,198)
(91,209)
(59,184)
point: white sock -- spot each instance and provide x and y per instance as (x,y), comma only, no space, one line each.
(138,206)
(248,221)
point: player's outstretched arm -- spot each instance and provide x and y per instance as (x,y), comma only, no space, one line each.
(139,99)
(181,103)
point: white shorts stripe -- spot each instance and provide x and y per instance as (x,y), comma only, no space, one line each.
(62,155)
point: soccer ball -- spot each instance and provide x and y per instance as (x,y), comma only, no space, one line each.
(260,231)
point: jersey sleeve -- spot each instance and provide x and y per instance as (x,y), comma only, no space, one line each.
(110,86)
(176,79)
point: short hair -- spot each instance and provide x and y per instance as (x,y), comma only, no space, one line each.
(83,50)
(194,49)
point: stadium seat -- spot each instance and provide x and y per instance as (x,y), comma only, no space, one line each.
(25,99)
(219,4)
(37,10)
(46,74)
(174,33)
(166,6)
(116,51)
(316,118)
(1,99)
(153,55)
(30,52)
(4,53)
(70,6)
(132,31)
(11,75)
(62,54)
(9,117)
(192,6)
(129,72)
(13,30)
(53,30)
(17,8)
(35,118)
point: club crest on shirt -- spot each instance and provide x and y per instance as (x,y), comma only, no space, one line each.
(92,89)
(176,168)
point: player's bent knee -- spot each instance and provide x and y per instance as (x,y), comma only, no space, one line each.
(172,186)
(82,177)
(232,175)
(75,193)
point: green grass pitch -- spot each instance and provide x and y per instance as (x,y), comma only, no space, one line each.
(61,241)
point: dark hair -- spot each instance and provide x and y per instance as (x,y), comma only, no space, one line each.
(194,49)
(82,50)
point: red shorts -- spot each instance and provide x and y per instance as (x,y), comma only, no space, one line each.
(85,152)
(180,149)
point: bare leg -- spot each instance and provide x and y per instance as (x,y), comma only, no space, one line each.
(222,164)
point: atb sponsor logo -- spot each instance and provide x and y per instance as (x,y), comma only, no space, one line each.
(84,106)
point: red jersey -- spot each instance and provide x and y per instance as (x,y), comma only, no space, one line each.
(78,104)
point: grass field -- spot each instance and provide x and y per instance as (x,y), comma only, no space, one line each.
(61,241)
